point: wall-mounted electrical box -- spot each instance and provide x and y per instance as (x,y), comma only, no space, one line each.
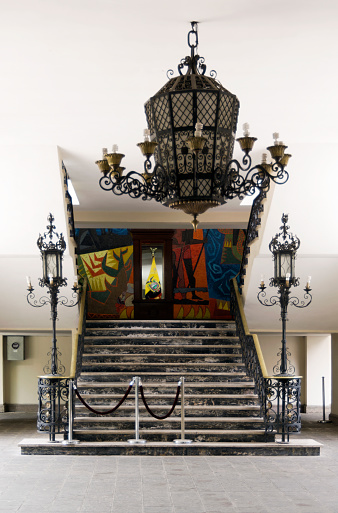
(15,347)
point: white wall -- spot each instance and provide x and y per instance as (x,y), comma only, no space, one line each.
(318,365)
(31,188)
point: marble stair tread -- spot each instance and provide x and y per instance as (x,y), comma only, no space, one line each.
(188,407)
(171,419)
(124,349)
(172,375)
(128,365)
(170,396)
(167,384)
(173,431)
(160,341)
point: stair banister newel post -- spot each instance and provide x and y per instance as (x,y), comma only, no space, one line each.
(137,439)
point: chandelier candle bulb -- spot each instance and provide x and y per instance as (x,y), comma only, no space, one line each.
(115,148)
(264,158)
(146,134)
(308,282)
(198,129)
(28,278)
(288,275)
(104,152)
(246,132)
(262,281)
(50,279)
(275,135)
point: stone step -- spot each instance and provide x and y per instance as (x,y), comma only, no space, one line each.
(160,332)
(164,399)
(165,367)
(161,358)
(172,422)
(167,435)
(296,447)
(229,387)
(112,348)
(185,341)
(190,410)
(160,377)
(139,324)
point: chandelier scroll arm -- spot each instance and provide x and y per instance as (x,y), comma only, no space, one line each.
(301,303)
(37,303)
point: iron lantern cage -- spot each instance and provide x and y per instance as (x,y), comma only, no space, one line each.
(52,264)
(51,255)
(283,247)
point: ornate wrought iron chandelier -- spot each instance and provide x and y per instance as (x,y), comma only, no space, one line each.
(192,123)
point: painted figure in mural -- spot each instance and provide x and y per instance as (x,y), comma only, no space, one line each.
(153,284)
(183,264)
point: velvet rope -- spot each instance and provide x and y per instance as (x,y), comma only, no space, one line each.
(171,409)
(107,412)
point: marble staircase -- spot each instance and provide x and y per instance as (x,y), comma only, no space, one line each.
(220,402)
(222,414)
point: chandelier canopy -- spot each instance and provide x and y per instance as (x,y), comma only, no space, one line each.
(192,123)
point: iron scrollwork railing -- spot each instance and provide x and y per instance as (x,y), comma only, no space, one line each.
(53,405)
(251,232)
(254,362)
(282,406)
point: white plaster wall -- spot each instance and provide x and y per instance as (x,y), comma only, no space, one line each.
(318,364)
(31,188)
(334,369)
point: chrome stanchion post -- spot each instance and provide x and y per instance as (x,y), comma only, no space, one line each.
(182,440)
(70,440)
(137,439)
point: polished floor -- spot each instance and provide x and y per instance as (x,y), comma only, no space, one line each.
(195,484)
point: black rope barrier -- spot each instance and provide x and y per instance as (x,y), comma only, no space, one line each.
(171,409)
(106,412)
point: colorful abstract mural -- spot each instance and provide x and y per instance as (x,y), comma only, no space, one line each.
(203,262)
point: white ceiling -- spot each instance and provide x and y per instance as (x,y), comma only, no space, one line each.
(78,72)
(75,74)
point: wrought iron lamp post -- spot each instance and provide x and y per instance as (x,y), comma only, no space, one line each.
(286,386)
(192,122)
(53,388)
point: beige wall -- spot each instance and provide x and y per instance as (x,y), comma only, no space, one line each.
(20,383)
(271,345)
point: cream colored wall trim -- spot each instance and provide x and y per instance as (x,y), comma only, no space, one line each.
(79,331)
(171,218)
(256,244)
